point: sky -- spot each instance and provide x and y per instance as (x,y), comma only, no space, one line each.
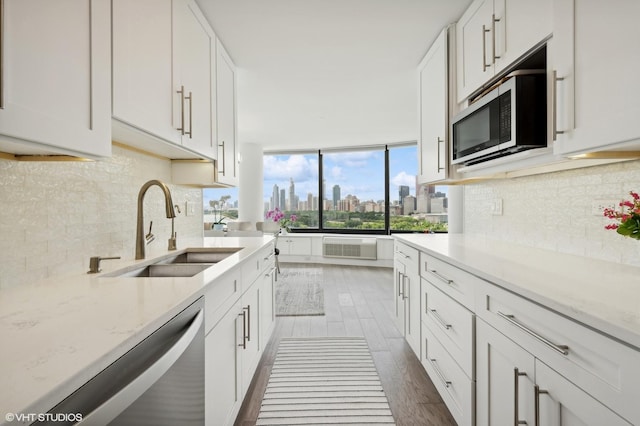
(359,173)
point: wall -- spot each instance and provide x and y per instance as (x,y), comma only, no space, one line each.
(553,211)
(55,215)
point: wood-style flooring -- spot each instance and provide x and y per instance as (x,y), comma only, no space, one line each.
(359,302)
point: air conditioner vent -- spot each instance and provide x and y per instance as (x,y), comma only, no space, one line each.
(349,247)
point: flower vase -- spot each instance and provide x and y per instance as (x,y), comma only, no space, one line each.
(283,231)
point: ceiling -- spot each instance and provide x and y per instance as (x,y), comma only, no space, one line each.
(328,73)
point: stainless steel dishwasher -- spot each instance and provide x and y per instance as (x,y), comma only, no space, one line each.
(158,382)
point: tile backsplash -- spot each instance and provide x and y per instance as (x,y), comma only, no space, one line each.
(55,215)
(554,211)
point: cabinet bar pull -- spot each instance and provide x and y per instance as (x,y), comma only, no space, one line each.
(493,37)
(400,284)
(1,54)
(442,277)
(516,398)
(248,309)
(446,382)
(439,319)
(439,142)
(406,256)
(223,160)
(484,49)
(243,345)
(404,288)
(554,94)
(536,403)
(181,128)
(190,132)
(563,349)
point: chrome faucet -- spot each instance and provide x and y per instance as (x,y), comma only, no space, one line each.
(140,237)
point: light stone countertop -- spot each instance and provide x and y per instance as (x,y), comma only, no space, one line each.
(60,332)
(602,295)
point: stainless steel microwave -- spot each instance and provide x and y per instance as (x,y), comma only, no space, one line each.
(510,118)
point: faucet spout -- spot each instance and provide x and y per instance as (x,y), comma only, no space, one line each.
(140,237)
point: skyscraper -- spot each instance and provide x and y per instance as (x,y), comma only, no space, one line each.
(283,201)
(275,197)
(404,191)
(336,196)
(293,205)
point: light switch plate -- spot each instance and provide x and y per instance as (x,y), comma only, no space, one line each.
(496,207)
(190,208)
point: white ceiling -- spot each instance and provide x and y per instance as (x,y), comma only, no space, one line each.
(328,73)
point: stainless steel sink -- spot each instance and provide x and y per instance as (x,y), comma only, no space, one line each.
(164,270)
(202,255)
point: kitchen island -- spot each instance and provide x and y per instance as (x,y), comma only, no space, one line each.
(60,332)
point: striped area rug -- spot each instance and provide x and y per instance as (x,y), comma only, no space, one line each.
(324,381)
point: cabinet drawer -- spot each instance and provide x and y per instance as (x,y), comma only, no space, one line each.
(258,263)
(455,388)
(451,323)
(407,255)
(604,368)
(219,296)
(455,282)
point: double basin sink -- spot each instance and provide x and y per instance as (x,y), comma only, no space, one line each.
(187,264)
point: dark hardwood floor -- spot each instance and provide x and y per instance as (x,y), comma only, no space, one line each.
(359,302)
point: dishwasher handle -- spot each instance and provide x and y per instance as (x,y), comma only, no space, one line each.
(119,402)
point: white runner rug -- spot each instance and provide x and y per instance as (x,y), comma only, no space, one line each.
(324,381)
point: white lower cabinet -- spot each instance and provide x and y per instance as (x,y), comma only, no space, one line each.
(223,369)
(407,294)
(238,329)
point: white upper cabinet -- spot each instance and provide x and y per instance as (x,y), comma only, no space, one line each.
(164,78)
(433,107)
(55,82)
(595,58)
(226,117)
(492,34)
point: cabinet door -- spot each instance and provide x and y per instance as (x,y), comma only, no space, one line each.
(226,117)
(252,343)
(55,77)
(222,369)
(267,304)
(563,403)
(596,70)
(413,317)
(142,80)
(473,48)
(399,283)
(514,34)
(433,83)
(193,69)
(504,379)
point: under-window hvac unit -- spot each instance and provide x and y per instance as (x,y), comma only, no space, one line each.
(350,247)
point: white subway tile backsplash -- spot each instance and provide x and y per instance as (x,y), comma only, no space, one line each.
(553,211)
(55,215)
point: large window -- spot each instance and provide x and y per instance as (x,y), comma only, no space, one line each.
(371,190)
(354,189)
(291,186)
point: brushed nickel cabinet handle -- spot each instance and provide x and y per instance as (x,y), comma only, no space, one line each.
(181,92)
(442,277)
(484,48)
(1,54)
(439,373)
(190,132)
(554,104)
(223,159)
(562,349)
(405,277)
(248,309)
(536,403)
(406,256)
(438,318)
(493,37)
(243,345)
(516,397)
(439,142)
(400,284)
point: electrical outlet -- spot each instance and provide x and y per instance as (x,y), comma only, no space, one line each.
(496,207)
(598,206)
